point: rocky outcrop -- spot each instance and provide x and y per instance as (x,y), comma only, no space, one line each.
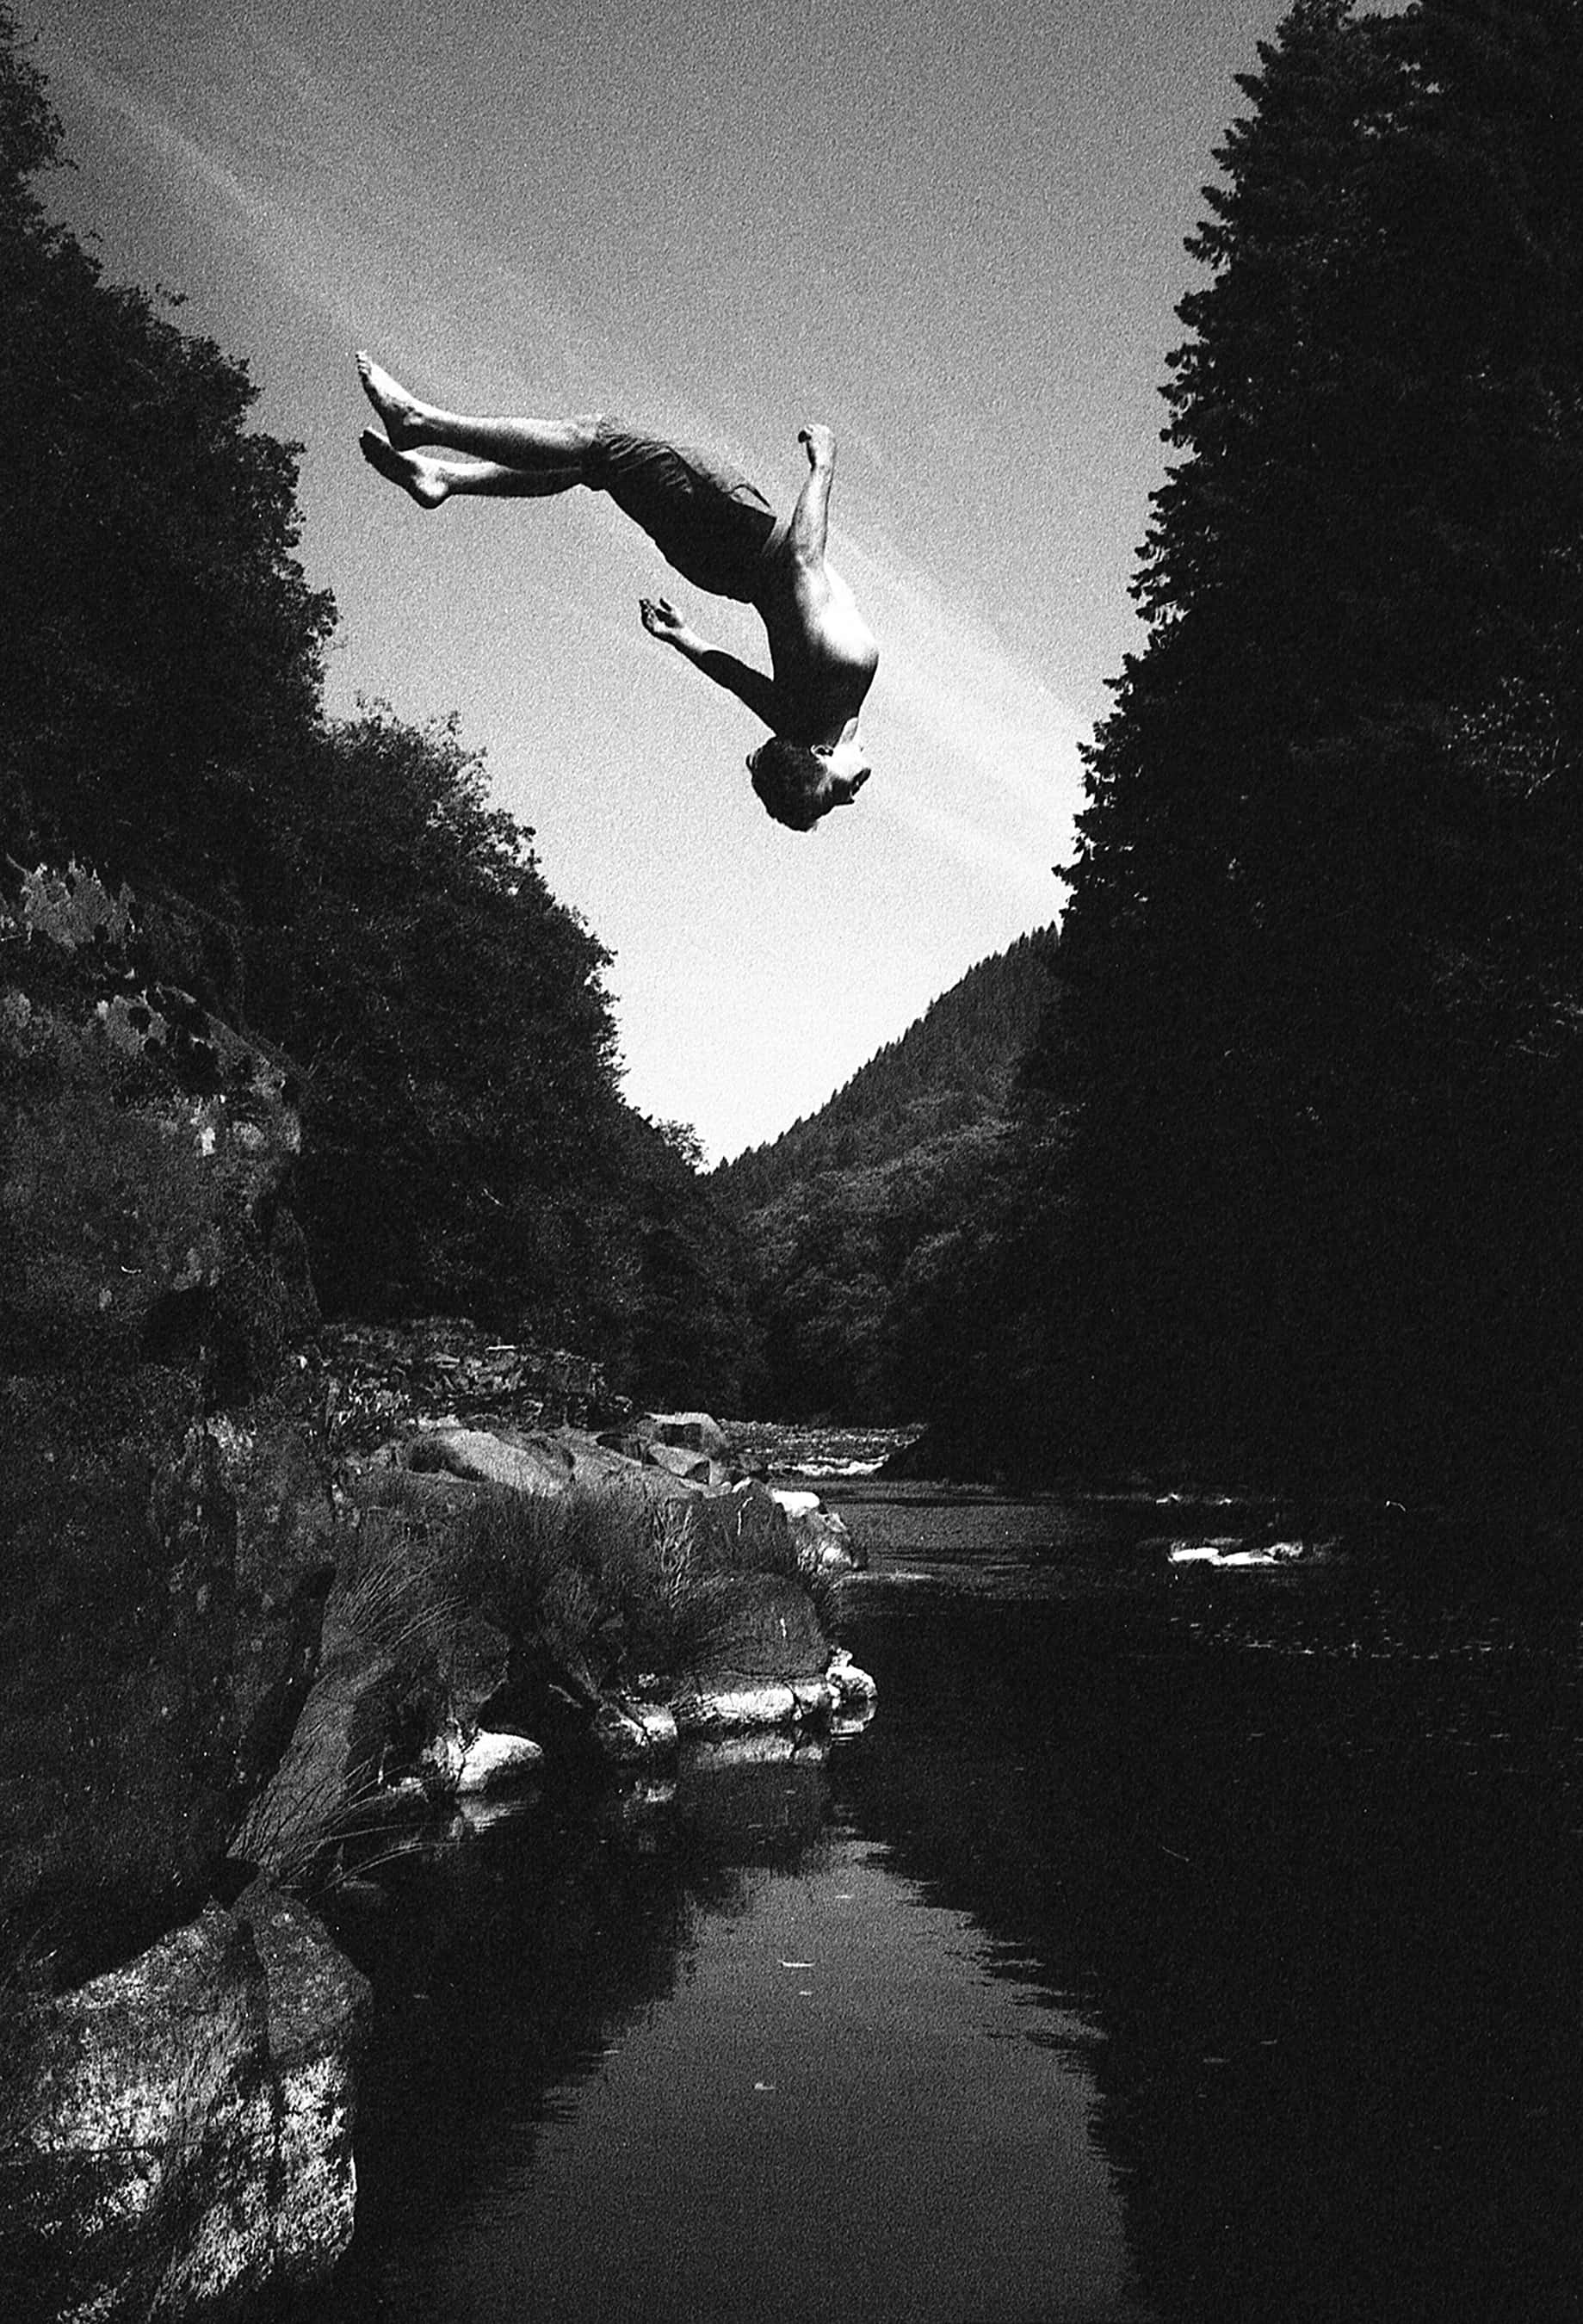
(166,1508)
(535,1460)
(175,2115)
(391,1376)
(717,1579)
(395,1714)
(854,1692)
(185,2137)
(724,1710)
(219,1660)
(634,1461)
(823,1544)
(690,1445)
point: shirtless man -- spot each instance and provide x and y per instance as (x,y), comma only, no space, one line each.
(719,532)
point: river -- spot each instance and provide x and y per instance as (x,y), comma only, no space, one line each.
(1174,1944)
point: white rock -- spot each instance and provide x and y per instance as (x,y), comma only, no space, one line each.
(824,1544)
(197,2103)
(536,1465)
(763,1747)
(852,1688)
(316,2003)
(658,1721)
(492,1762)
(731,1709)
(697,1431)
(792,1500)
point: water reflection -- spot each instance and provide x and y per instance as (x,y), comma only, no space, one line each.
(1182,1948)
(836,2107)
(1308,1857)
(722,2062)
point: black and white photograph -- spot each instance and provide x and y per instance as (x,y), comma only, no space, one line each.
(791,1161)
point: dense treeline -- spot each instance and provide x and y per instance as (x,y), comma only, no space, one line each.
(343,888)
(1297,1173)
(855,1222)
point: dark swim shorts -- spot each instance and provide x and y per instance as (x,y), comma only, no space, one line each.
(703,517)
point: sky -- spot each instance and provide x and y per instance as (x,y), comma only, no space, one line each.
(951,229)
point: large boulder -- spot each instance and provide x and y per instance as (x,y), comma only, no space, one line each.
(825,1544)
(272,1473)
(728,1710)
(166,1580)
(527,1463)
(496,1763)
(749,1626)
(416,1695)
(690,1445)
(165,1504)
(597,1581)
(531,1460)
(690,1432)
(693,1468)
(182,2139)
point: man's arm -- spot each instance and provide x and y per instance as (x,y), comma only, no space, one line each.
(810,517)
(750,685)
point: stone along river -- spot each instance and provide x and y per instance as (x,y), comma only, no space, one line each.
(1174,1944)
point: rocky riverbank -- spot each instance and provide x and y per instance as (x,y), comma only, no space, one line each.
(506,1603)
(509,1593)
(274,1594)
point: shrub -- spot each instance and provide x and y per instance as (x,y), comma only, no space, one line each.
(615,1589)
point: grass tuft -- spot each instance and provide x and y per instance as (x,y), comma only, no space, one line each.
(607,1586)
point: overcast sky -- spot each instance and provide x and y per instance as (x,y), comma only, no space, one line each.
(951,228)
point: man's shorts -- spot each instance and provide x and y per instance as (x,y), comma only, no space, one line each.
(704,517)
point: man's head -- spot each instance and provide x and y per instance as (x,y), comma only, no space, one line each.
(798,783)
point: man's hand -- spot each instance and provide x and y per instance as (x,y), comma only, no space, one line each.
(662,621)
(819,442)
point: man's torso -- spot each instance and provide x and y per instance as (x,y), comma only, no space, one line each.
(823,652)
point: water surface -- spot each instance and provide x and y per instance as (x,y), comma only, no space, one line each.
(1173,1945)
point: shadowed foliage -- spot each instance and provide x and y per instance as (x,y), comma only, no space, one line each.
(852,1221)
(341,887)
(1294,1190)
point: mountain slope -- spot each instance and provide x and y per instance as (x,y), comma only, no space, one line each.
(951,1068)
(848,1219)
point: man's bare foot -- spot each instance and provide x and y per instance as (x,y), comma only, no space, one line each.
(423,479)
(820,441)
(403,414)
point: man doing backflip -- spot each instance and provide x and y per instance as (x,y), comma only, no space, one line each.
(718,531)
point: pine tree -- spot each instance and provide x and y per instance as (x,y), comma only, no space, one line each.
(1325,998)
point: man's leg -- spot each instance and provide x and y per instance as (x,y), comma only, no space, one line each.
(548,448)
(431,481)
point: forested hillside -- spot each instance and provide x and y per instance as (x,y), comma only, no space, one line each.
(343,888)
(849,1221)
(1297,1171)
(950,1069)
